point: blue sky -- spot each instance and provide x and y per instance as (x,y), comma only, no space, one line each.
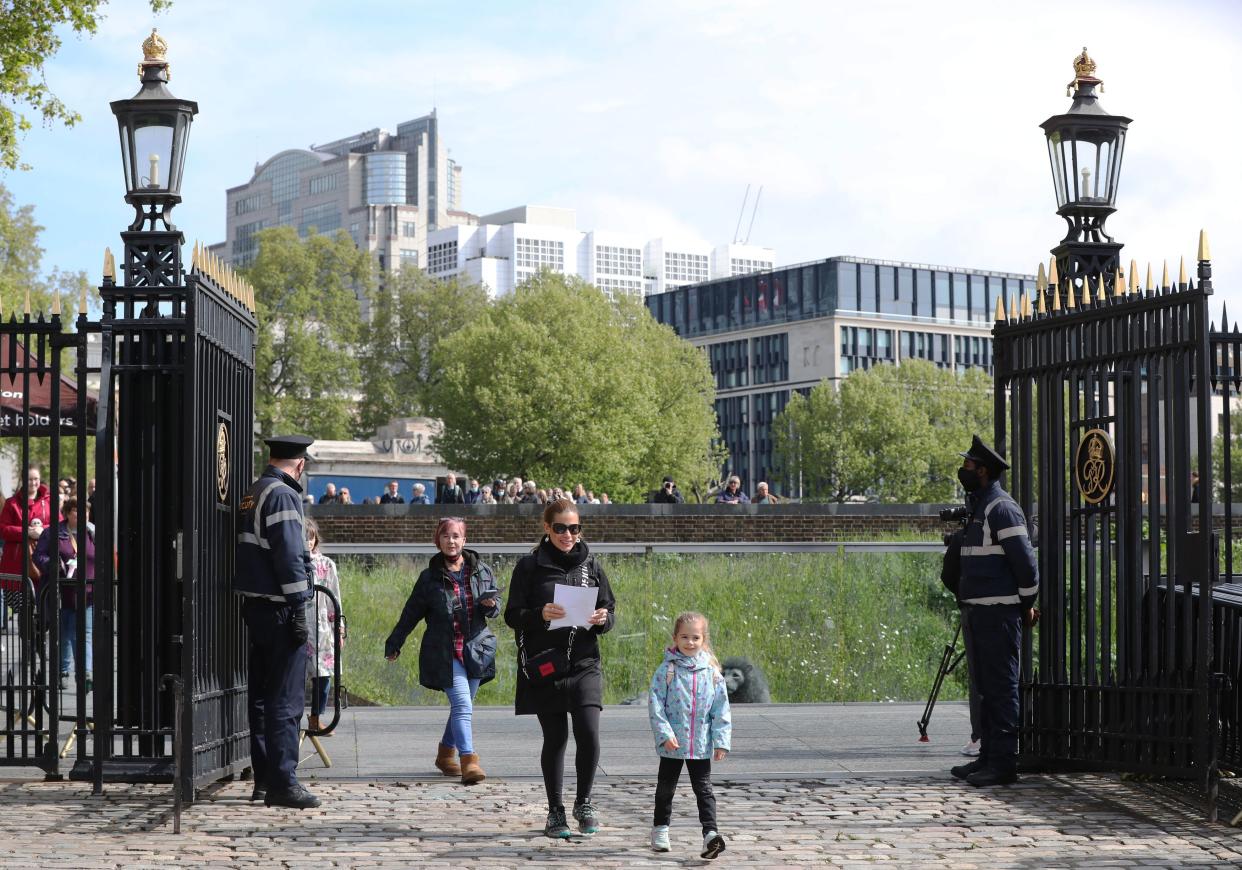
(897,130)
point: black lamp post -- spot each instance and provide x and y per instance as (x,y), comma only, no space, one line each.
(155,129)
(1085,148)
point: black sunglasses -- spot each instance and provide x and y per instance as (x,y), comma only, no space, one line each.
(562,528)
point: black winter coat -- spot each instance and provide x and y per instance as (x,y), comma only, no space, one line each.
(533,584)
(432,599)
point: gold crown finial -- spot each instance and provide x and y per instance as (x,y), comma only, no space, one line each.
(154,48)
(1084,73)
(1084,66)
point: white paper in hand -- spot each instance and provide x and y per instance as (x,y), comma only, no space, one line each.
(579,604)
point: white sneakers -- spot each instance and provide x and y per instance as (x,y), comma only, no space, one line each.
(659,838)
(971,749)
(713,843)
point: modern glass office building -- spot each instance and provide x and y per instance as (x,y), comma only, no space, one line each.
(780,331)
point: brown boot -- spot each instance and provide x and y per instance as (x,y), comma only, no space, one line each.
(470,770)
(446,761)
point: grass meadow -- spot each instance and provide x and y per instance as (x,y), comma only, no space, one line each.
(822,626)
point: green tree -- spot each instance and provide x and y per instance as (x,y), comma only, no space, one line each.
(30,35)
(561,383)
(310,322)
(410,316)
(1232,492)
(890,432)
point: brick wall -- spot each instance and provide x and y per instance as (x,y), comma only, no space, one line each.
(513,524)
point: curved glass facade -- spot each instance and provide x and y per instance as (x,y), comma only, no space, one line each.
(385,177)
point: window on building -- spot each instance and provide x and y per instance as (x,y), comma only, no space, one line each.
(324,183)
(408,258)
(408,229)
(442,258)
(324,218)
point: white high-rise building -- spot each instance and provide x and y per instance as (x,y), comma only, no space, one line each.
(508,247)
(729,261)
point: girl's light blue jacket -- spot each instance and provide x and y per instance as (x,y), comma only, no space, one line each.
(688,700)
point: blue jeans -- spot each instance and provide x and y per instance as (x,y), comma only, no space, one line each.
(461,708)
(69,637)
(319,695)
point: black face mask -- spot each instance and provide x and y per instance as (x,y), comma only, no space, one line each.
(968,479)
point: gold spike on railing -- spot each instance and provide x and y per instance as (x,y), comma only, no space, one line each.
(1134,279)
(82,301)
(1026,305)
(1182,280)
(1099,289)
(1205,252)
(1149,286)
(1041,279)
(1119,283)
(1070,302)
(27,308)
(1164,279)
(109,267)
(1014,310)
(1054,280)
(55,301)
(1000,309)
(1056,298)
(1039,303)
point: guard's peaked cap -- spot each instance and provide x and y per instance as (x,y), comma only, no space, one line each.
(288,446)
(986,456)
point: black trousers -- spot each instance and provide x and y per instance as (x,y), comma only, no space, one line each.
(556,738)
(700,780)
(995,641)
(277,693)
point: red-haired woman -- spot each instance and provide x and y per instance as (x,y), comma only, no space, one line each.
(562,558)
(456,594)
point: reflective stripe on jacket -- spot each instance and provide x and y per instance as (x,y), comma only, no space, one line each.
(273,560)
(998,562)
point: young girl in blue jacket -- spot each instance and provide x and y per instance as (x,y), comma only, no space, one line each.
(689,710)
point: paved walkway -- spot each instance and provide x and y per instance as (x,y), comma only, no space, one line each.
(828,785)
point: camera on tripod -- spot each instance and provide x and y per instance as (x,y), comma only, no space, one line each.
(954,515)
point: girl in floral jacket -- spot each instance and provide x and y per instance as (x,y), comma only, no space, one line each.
(689,709)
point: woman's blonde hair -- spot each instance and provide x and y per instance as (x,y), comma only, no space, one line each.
(694,616)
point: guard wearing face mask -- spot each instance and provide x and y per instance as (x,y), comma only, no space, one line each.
(274,578)
(999,584)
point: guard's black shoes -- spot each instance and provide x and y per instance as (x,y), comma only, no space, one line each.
(990,776)
(963,771)
(297,798)
(259,793)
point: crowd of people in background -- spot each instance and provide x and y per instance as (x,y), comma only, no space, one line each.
(518,491)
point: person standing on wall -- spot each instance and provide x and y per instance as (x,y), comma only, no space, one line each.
(274,578)
(560,675)
(999,584)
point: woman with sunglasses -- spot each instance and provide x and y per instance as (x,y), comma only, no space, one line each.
(456,594)
(568,679)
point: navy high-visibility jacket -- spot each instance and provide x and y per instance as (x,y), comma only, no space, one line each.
(998,563)
(273,560)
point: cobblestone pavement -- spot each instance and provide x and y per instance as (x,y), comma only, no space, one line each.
(925,821)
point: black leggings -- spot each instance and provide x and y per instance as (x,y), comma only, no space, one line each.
(552,758)
(700,780)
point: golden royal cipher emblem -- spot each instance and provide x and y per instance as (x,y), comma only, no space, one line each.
(222,461)
(1094,465)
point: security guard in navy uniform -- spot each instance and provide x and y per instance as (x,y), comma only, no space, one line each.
(999,584)
(274,578)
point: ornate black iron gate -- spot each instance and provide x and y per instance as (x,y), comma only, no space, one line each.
(173,440)
(1104,404)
